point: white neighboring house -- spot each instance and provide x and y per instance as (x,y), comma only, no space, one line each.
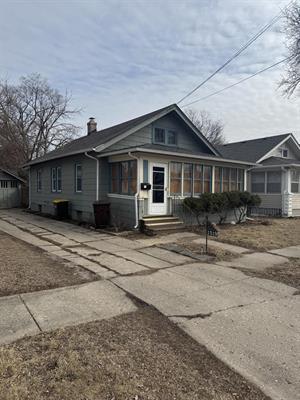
(276,178)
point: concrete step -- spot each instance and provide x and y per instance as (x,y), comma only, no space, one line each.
(166,226)
(151,221)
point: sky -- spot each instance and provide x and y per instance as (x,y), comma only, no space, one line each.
(120,59)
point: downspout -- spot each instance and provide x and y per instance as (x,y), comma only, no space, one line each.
(137,189)
(97,173)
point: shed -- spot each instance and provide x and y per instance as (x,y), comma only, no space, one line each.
(10,189)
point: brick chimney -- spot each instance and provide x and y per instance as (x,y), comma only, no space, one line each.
(91,126)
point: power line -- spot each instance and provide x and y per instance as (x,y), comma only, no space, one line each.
(237,83)
(243,48)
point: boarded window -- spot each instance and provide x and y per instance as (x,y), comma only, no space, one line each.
(124,177)
(198,179)
(176,175)
(187,179)
(115,178)
(240,180)
(258,182)
(274,182)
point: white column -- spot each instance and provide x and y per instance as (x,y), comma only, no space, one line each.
(287,197)
(246,181)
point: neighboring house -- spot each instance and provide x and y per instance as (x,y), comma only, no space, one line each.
(276,178)
(10,189)
(139,167)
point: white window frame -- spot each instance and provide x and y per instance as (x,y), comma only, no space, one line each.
(282,150)
(166,137)
(60,171)
(76,177)
(53,180)
(39,186)
(295,182)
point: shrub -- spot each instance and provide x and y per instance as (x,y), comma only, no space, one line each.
(221,204)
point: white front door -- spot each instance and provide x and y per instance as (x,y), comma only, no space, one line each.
(158,193)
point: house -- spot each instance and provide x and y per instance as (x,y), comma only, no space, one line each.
(139,166)
(276,177)
(10,189)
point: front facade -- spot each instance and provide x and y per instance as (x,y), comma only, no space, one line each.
(276,177)
(141,168)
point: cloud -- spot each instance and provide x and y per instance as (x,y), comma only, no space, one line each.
(124,58)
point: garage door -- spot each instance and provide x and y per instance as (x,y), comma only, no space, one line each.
(9,194)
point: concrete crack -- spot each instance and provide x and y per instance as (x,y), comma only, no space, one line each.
(32,316)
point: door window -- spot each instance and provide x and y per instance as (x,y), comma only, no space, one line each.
(158,185)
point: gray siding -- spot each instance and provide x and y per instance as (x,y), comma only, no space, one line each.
(82,202)
(122,212)
(186,139)
(290,146)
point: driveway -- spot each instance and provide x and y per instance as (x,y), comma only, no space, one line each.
(252,324)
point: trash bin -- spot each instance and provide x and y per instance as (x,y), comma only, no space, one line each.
(102,214)
(61,208)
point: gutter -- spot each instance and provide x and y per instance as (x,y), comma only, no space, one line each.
(97,173)
(137,189)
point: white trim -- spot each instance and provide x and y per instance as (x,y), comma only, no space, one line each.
(121,196)
(169,153)
(77,165)
(290,136)
(164,206)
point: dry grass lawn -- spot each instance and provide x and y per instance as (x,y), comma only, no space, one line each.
(24,268)
(263,234)
(138,356)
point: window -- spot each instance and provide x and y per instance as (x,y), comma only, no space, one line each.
(295,181)
(164,136)
(39,180)
(176,175)
(115,175)
(58,179)
(172,138)
(198,179)
(4,184)
(225,179)
(273,182)
(13,184)
(240,180)
(53,180)
(258,182)
(233,179)
(124,177)
(207,179)
(159,136)
(187,179)
(78,178)
(218,178)
(284,153)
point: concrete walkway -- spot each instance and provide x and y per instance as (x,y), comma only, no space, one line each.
(252,324)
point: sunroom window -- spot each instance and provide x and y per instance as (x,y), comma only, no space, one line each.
(176,175)
(187,179)
(258,182)
(295,181)
(273,182)
(123,177)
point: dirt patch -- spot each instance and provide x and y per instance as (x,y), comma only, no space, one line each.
(288,273)
(262,235)
(25,268)
(137,356)
(214,253)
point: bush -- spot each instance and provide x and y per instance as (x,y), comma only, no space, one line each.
(221,204)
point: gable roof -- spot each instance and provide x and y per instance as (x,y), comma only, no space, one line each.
(100,140)
(252,150)
(12,175)
(280,161)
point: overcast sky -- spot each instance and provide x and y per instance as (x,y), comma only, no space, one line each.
(124,58)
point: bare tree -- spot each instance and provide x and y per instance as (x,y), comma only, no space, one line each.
(34,119)
(212,130)
(291,81)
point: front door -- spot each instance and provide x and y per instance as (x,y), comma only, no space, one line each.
(158,192)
